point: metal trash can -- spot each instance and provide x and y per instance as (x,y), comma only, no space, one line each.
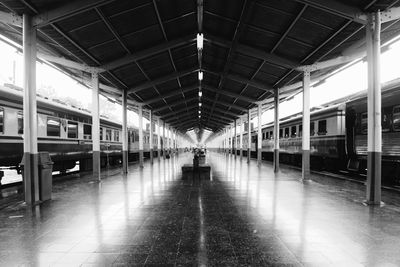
(45,171)
(45,176)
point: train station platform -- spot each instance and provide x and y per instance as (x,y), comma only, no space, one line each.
(244,216)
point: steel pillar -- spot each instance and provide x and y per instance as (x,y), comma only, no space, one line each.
(259,134)
(151,137)
(276,131)
(124,132)
(248,136)
(374,110)
(241,138)
(158,139)
(235,138)
(30,159)
(141,158)
(96,126)
(163,140)
(306,127)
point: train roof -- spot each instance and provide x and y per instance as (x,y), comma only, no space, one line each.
(16,93)
(339,103)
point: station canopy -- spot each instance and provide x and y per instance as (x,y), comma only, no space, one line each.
(149,48)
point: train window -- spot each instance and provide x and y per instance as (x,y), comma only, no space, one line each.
(20,119)
(116,136)
(312,127)
(101,133)
(53,127)
(280,133)
(386,119)
(396,118)
(364,122)
(72,129)
(108,134)
(300,130)
(271,135)
(293,131)
(87,131)
(287,132)
(1,120)
(322,127)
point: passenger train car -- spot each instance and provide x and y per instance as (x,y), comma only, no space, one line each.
(64,131)
(338,135)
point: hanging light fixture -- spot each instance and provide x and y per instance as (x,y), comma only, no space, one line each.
(200,93)
(200,75)
(200,41)
(200,104)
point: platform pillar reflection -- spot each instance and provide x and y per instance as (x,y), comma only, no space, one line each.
(306,127)
(96,126)
(373,29)
(31,175)
(276,131)
(140,109)
(124,133)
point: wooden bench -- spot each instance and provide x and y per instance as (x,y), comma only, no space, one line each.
(203,172)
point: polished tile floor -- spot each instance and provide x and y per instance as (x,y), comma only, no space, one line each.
(245,216)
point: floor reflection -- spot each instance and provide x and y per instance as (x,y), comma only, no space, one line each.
(246,216)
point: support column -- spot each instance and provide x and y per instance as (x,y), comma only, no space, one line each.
(151,136)
(235,139)
(276,131)
(226,145)
(259,135)
(140,108)
(374,164)
(158,139)
(96,126)
(124,133)
(163,140)
(230,139)
(30,159)
(241,138)
(305,175)
(249,136)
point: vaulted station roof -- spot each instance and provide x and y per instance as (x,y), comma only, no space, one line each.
(148,47)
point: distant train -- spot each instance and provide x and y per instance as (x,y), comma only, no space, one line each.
(64,131)
(338,135)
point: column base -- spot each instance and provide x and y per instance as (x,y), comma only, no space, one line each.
(30,176)
(305,166)
(276,160)
(96,165)
(374,165)
(259,159)
(248,155)
(124,162)
(151,156)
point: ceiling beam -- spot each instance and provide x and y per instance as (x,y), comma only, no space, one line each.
(162,79)
(65,11)
(172,104)
(224,111)
(231,94)
(338,8)
(148,52)
(227,104)
(251,51)
(171,93)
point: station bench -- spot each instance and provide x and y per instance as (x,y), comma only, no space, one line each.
(203,172)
